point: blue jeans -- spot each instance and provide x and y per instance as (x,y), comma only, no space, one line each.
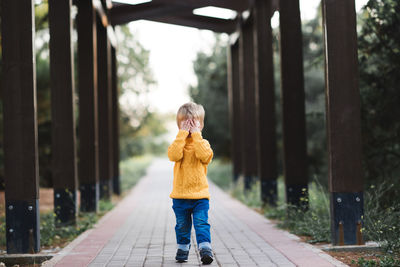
(184,209)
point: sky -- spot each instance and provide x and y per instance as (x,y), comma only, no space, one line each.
(173,50)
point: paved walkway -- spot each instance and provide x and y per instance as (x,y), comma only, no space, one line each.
(140,232)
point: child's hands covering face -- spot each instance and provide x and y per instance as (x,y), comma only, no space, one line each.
(185,125)
(195,126)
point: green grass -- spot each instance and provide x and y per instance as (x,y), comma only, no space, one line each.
(132,170)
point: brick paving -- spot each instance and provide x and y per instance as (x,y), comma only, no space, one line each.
(140,232)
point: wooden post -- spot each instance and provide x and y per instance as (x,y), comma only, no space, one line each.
(343,119)
(115,122)
(234,108)
(293,104)
(64,164)
(247,102)
(21,169)
(88,125)
(265,101)
(104,109)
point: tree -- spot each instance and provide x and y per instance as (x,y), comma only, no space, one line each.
(139,128)
(379,61)
(212,92)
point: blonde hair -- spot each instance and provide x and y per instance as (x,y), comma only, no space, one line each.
(189,111)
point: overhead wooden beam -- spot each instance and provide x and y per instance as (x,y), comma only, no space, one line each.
(238,5)
(125,13)
(200,22)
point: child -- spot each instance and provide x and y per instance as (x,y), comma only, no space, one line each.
(191,154)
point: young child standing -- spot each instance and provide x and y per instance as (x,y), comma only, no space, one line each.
(191,154)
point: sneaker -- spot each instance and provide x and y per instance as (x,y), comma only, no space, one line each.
(182,255)
(206,255)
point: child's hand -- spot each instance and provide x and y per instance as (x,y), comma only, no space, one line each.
(195,126)
(185,125)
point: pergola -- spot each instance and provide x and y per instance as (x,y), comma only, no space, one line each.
(251,98)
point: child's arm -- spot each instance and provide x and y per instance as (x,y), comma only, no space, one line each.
(175,150)
(202,148)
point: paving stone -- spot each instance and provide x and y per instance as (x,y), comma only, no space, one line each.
(139,231)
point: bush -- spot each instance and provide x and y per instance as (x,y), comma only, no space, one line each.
(132,170)
(382,222)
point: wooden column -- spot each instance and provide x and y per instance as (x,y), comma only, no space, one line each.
(247,102)
(265,101)
(105,111)
(293,103)
(64,164)
(88,125)
(21,169)
(343,121)
(234,109)
(115,122)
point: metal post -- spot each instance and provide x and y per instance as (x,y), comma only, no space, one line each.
(88,120)
(115,122)
(343,121)
(293,104)
(21,169)
(265,99)
(64,164)
(247,98)
(234,108)
(104,109)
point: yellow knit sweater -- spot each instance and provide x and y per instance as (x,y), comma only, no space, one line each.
(191,156)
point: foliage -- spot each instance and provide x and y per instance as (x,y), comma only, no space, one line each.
(140,129)
(379,61)
(382,221)
(314,86)
(313,223)
(382,261)
(132,170)
(212,92)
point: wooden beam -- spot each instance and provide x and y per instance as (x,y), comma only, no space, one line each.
(64,162)
(265,101)
(343,121)
(172,14)
(248,104)
(104,111)
(200,22)
(88,120)
(21,169)
(237,5)
(115,122)
(234,109)
(122,14)
(293,104)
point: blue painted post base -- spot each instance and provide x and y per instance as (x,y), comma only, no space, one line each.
(116,185)
(249,181)
(297,195)
(65,206)
(269,192)
(89,197)
(347,211)
(22,226)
